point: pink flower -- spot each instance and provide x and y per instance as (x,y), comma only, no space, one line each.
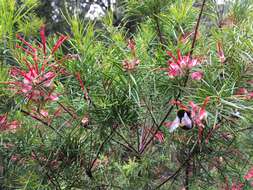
(3,119)
(35,81)
(53,97)
(159,136)
(220,52)
(199,114)
(197,75)
(249,174)
(59,43)
(85,120)
(250,95)
(132,46)
(8,126)
(241,91)
(15,157)
(43,38)
(178,66)
(44,113)
(244,92)
(236,186)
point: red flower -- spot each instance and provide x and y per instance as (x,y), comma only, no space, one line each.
(179,65)
(59,43)
(34,83)
(220,52)
(44,113)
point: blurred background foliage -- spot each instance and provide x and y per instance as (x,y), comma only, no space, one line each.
(106,154)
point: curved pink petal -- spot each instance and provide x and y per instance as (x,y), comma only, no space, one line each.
(193,63)
(47,79)
(197,75)
(241,91)
(54,97)
(59,43)
(159,136)
(174,70)
(3,119)
(44,112)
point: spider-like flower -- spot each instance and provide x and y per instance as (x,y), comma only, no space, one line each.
(198,75)
(35,80)
(220,52)
(131,64)
(178,66)
(159,136)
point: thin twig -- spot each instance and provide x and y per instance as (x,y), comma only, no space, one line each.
(67,110)
(197,27)
(158,27)
(157,129)
(57,186)
(187,172)
(129,144)
(159,32)
(189,157)
(89,170)
(41,121)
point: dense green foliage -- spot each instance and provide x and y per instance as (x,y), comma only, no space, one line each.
(101,132)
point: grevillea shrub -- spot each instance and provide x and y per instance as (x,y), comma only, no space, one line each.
(163,104)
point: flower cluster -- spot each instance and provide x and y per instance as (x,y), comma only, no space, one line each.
(35,81)
(180,65)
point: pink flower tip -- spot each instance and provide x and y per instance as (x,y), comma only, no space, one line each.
(241,91)
(197,75)
(54,97)
(249,174)
(159,136)
(44,113)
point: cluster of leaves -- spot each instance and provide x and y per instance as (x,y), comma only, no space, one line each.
(91,109)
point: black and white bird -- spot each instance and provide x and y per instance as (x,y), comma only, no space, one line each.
(182,120)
